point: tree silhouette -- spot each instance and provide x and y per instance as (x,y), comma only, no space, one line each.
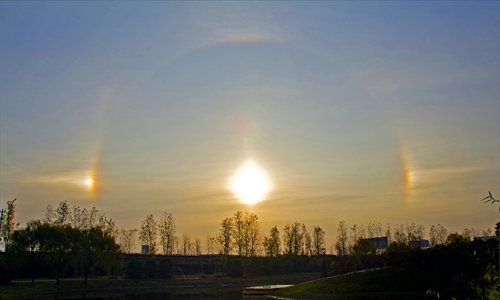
(490,199)
(167,233)
(149,233)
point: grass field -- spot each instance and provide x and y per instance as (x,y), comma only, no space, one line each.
(382,284)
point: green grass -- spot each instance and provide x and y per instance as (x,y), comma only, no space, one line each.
(383,282)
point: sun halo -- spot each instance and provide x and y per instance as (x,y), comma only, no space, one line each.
(250,183)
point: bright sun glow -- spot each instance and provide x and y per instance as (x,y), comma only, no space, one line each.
(89,183)
(250,183)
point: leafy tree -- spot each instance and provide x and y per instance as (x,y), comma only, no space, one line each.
(60,246)
(364,247)
(149,233)
(456,239)
(29,245)
(96,245)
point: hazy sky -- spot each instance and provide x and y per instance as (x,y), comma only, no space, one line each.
(358,111)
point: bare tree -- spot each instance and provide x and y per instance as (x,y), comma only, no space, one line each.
(356,233)
(212,245)
(59,216)
(414,232)
(307,246)
(388,233)
(62,214)
(318,239)
(486,232)
(272,243)
(288,239)
(177,246)
(127,239)
(197,246)
(82,218)
(225,236)
(437,234)
(149,233)
(341,245)
(374,229)
(293,238)
(399,235)
(239,232)
(187,246)
(252,234)
(7,224)
(167,233)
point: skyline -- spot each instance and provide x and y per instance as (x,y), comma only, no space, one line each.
(356,111)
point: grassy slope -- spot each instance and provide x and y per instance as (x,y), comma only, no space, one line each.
(372,282)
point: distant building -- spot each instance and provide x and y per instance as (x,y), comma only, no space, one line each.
(145,249)
(379,242)
(420,244)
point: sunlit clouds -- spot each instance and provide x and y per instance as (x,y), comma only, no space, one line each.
(250,183)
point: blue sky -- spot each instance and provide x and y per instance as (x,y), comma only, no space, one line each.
(359,111)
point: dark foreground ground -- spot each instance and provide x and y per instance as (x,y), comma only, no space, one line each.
(117,288)
(380,284)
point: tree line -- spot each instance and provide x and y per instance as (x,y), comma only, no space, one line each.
(67,241)
(74,241)
(241,235)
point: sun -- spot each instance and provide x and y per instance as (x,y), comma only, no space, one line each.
(89,183)
(250,183)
